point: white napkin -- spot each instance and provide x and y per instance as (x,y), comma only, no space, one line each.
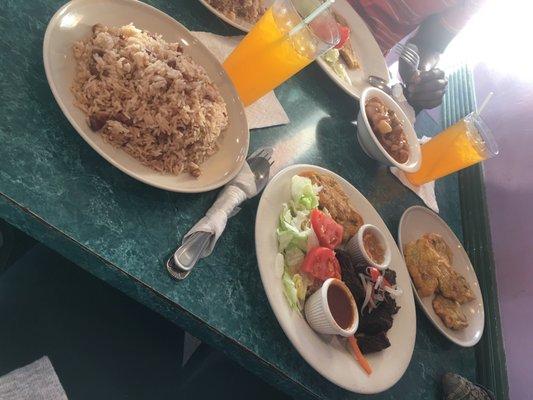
(242,187)
(267,111)
(427,191)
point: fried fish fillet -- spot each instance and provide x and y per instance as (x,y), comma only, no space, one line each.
(333,198)
(450,312)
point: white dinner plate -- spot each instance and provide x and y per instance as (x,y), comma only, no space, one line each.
(326,354)
(73,22)
(238,23)
(366,49)
(417,221)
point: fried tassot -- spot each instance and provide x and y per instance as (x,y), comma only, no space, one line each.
(372,343)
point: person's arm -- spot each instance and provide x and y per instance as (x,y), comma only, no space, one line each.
(432,38)
(426,87)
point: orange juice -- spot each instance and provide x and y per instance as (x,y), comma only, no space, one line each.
(461,145)
(268,56)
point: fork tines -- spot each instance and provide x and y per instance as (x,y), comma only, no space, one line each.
(266,153)
(408,53)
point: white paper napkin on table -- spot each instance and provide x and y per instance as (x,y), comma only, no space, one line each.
(242,187)
(267,111)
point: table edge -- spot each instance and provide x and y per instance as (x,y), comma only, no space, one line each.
(109,272)
(490,354)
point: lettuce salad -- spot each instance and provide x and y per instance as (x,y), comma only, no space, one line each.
(295,237)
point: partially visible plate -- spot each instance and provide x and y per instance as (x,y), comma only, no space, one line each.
(238,23)
(417,221)
(366,49)
(73,22)
(329,355)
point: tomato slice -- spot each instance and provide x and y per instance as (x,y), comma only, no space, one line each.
(328,232)
(321,264)
(374,273)
(344,33)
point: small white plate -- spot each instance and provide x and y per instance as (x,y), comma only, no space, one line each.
(417,221)
(326,354)
(366,49)
(73,22)
(238,23)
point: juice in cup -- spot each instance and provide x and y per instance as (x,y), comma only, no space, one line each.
(268,55)
(465,143)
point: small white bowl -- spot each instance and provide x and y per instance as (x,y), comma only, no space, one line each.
(356,249)
(318,314)
(370,143)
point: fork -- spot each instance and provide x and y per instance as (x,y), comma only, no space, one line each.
(408,53)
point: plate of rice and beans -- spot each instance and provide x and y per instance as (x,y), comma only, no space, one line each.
(145,94)
(363,340)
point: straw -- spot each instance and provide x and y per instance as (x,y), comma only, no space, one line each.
(485,102)
(325,5)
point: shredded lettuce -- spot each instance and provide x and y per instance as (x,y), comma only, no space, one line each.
(279,265)
(289,289)
(332,57)
(294,258)
(304,193)
(301,287)
(295,235)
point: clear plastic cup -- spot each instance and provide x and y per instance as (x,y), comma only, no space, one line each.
(270,54)
(461,145)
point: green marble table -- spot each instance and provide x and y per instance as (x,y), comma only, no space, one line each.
(56,188)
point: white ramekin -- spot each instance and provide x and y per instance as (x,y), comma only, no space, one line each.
(319,316)
(357,252)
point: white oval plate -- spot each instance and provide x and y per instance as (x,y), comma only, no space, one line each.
(366,49)
(417,221)
(73,22)
(238,23)
(329,355)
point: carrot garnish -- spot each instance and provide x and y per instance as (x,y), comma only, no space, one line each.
(359,357)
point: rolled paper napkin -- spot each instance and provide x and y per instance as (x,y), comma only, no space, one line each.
(36,381)
(242,187)
(267,111)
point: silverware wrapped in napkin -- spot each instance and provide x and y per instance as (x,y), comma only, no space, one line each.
(200,241)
